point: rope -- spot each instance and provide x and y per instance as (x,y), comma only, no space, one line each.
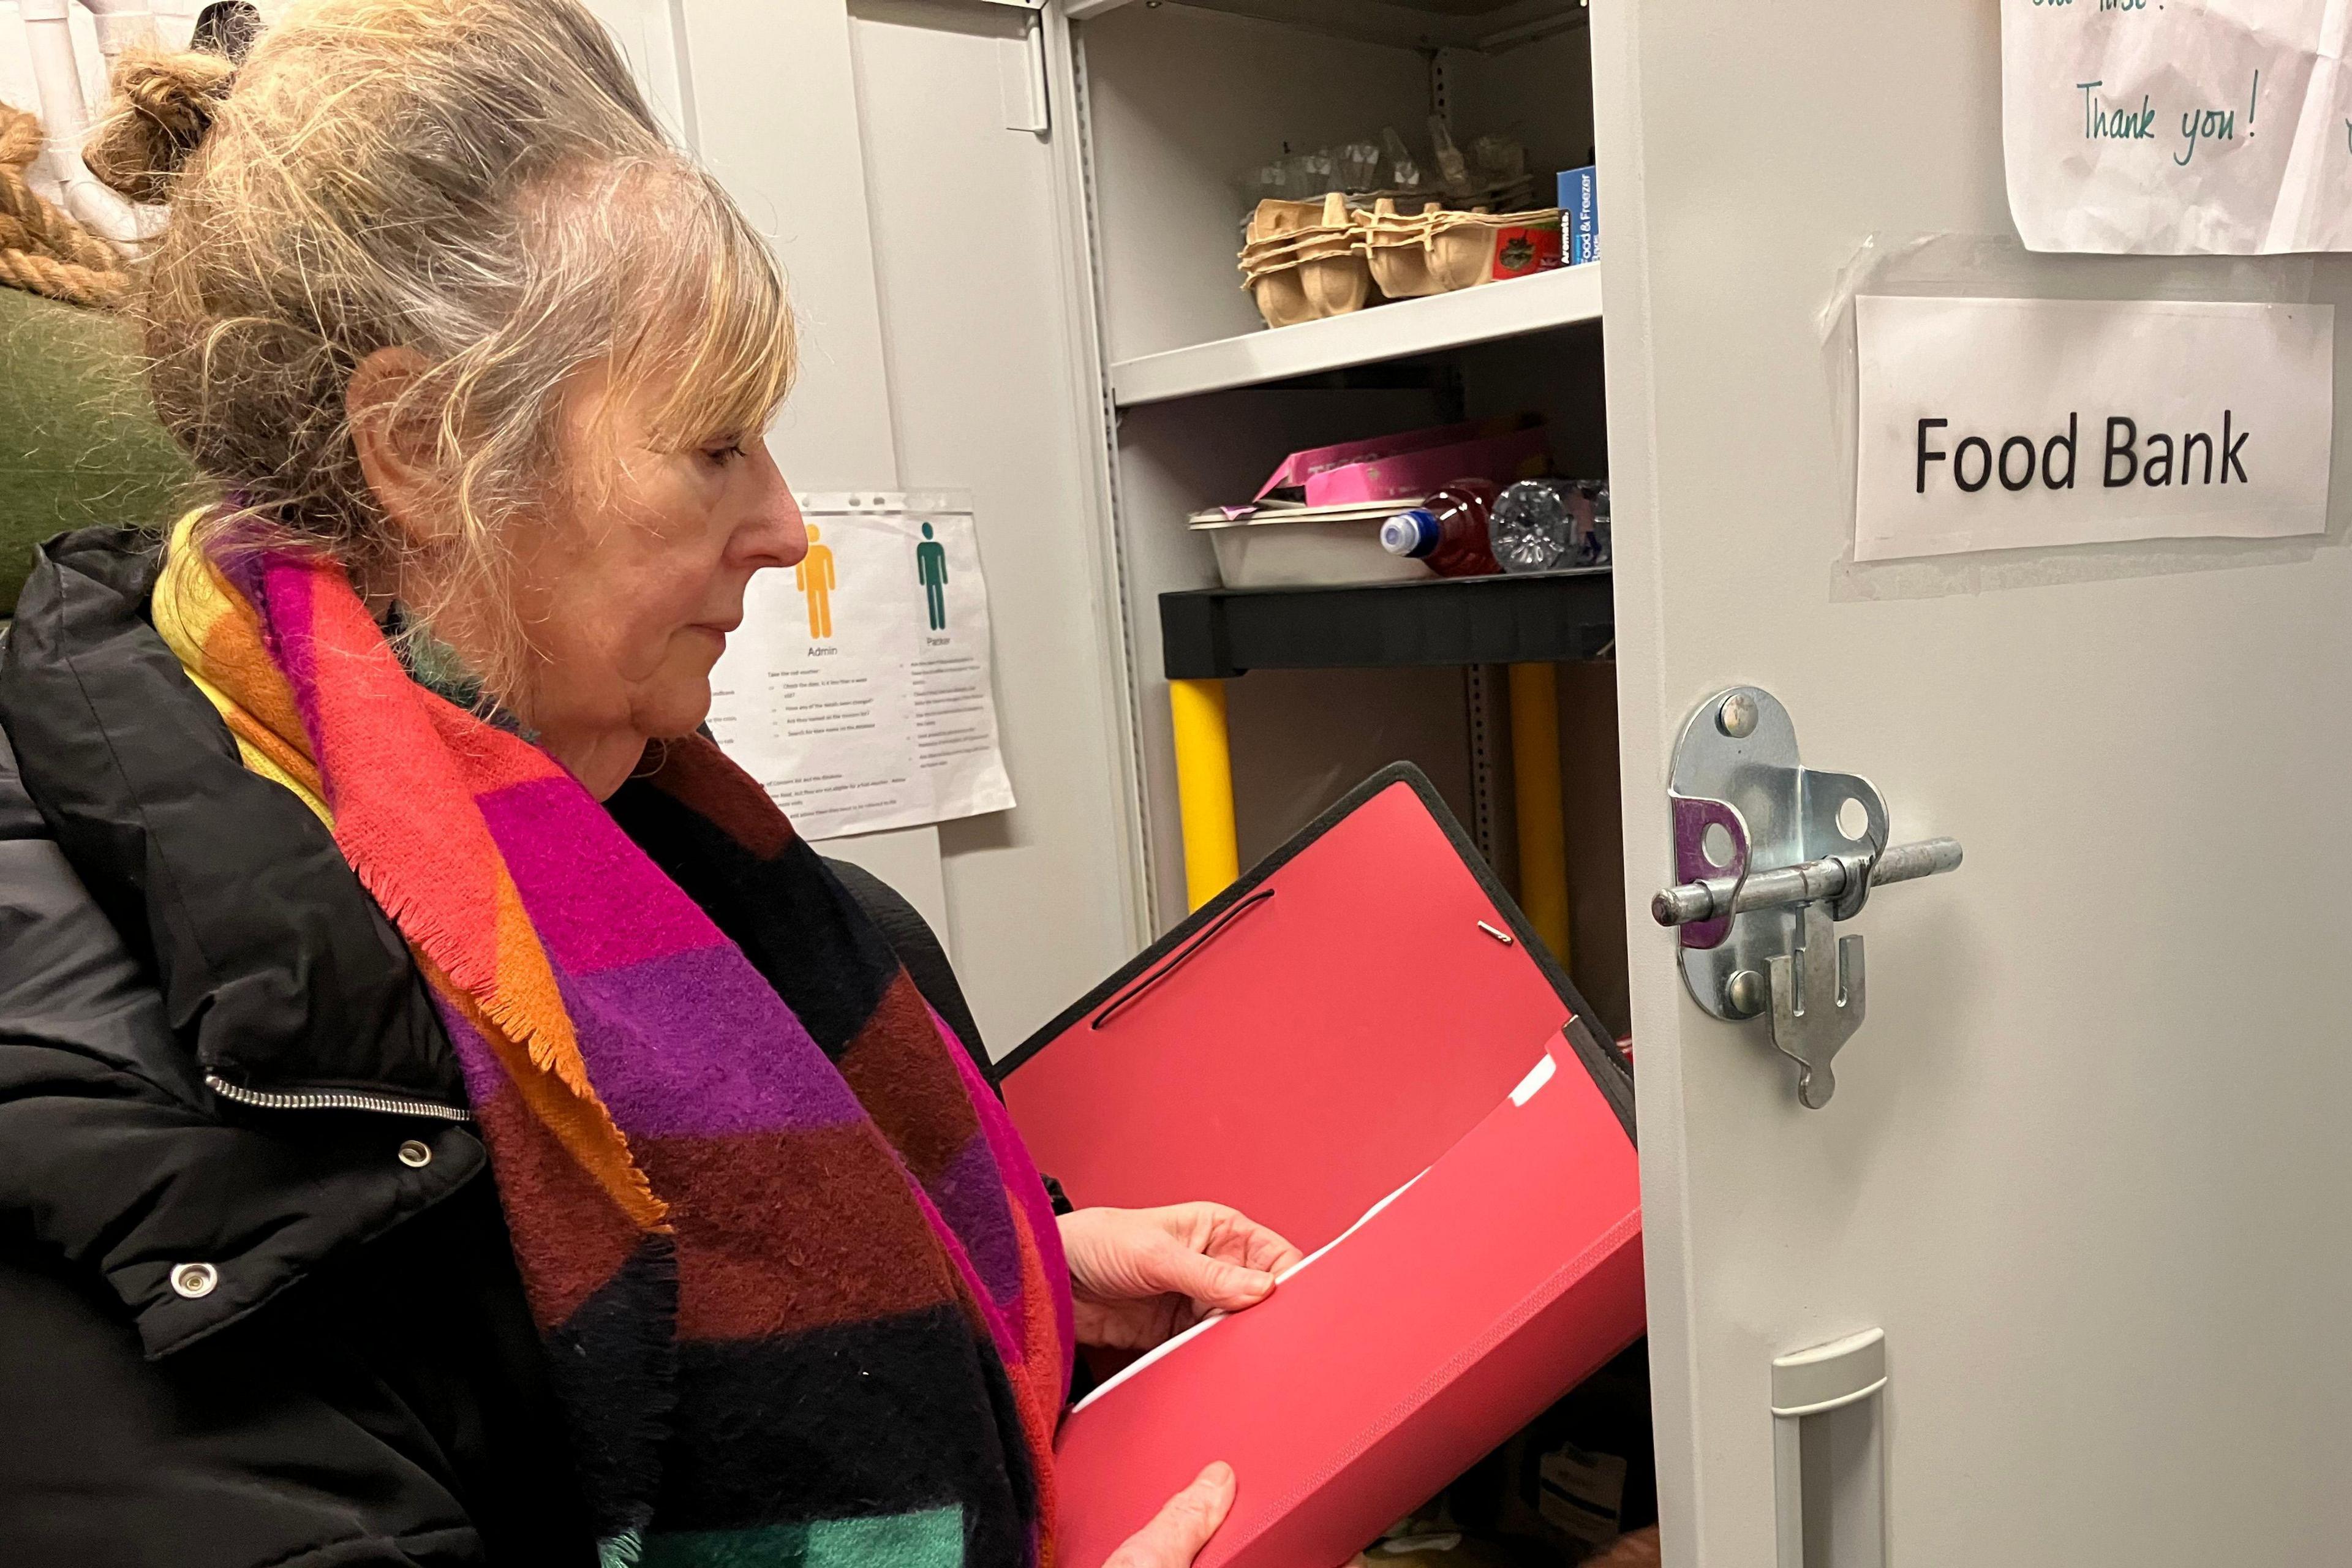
(36,273)
(44,251)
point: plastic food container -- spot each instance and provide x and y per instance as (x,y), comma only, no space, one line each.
(1305,547)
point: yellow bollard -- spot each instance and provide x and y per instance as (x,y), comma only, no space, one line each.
(1204,787)
(1543,825)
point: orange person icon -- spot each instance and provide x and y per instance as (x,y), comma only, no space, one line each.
(815,577)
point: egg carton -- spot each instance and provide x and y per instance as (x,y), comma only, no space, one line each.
(1302,262)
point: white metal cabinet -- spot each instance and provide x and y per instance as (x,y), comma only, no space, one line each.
(2085,1165)
(1181,101)
(2084,1169)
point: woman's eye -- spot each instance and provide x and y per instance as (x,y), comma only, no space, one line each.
(724,454)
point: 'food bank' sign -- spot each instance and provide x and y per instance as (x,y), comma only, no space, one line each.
(1995,423)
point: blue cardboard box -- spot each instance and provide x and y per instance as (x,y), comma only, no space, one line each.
(1580,206)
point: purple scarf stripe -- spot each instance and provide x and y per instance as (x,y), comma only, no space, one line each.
(475,1060)
(1022,1186)
(751,1066)
(971,1194)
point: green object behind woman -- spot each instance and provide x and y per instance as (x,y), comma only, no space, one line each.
(78,441)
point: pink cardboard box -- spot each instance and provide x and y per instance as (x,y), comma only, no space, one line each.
(1411,463)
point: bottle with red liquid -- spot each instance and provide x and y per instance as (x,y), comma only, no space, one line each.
(1447,531)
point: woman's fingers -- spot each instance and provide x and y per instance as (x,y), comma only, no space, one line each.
(1266,1249)
(1210,1256)
(1228,1232)
(1211,1282)
(1176,1534)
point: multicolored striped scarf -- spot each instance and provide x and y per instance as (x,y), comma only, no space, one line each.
(800,1290)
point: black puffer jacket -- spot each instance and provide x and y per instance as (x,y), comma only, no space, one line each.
(191,982)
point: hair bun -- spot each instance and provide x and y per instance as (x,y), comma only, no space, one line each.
(161,107)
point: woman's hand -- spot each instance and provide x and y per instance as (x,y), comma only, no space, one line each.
(1140,1275)
(1176,1534)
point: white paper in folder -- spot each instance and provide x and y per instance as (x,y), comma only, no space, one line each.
(859,689)
(2179,127)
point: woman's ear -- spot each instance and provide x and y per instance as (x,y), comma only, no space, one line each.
(395,442)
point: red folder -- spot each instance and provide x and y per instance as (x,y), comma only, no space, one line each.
(1365,1009)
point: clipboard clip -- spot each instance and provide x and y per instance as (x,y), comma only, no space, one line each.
(1181,956)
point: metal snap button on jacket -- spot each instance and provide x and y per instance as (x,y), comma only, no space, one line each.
(415,1156)
(194,1279)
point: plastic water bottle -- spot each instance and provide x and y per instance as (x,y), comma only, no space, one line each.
(1530,530)
(1447,531)
(1593,545)
(1543,525)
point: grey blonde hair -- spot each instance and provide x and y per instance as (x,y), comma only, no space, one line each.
(478,180)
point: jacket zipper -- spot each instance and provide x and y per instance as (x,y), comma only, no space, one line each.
(332,1099)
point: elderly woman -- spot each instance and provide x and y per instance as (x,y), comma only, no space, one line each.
(446,1115)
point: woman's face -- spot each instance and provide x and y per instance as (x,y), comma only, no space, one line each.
(630,592)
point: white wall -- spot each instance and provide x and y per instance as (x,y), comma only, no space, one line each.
(774,114)
(982,357)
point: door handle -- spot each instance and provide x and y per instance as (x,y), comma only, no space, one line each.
(1772,855)
(1824,1386)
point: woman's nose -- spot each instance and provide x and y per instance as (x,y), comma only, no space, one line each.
(774,535)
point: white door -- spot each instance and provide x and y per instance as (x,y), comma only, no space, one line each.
(2087,1162)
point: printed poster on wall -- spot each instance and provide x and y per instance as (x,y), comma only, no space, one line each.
(2179,127)
(858,689)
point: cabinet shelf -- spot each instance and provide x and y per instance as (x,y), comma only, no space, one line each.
(1407,326)
(1492,26)
(1211,633)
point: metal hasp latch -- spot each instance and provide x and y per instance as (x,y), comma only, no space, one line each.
(1771,854)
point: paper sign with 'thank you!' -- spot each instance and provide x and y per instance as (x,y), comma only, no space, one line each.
(2002,424)
(2178,126)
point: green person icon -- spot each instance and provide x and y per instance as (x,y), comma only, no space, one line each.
(932,571)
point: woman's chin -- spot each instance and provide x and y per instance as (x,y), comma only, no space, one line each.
(679,709)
